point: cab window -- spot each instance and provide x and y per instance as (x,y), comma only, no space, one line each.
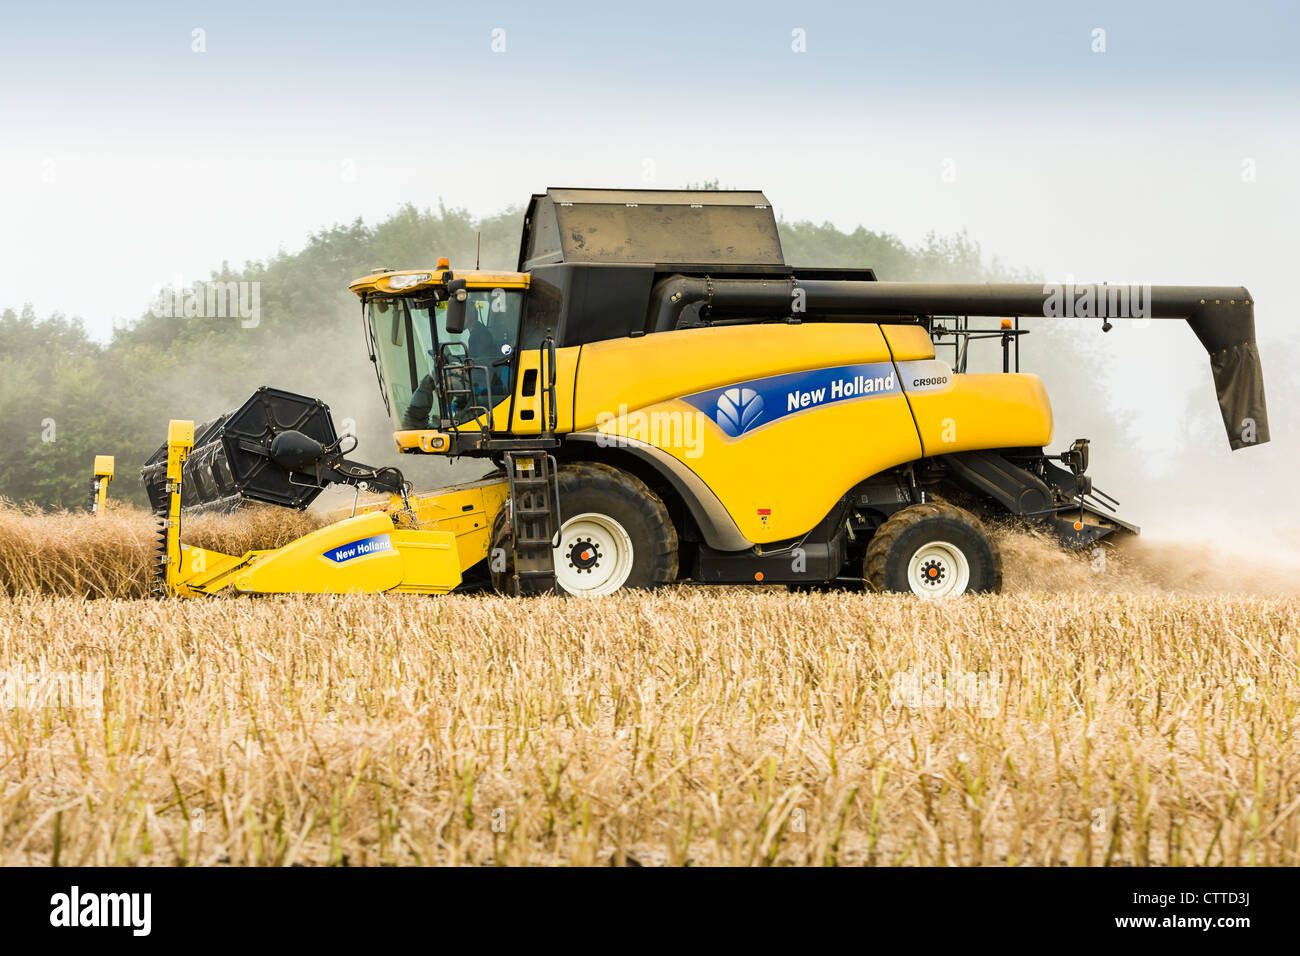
(411,334)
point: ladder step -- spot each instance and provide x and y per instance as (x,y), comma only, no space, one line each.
(532,474)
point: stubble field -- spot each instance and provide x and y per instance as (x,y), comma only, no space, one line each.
(1058,723)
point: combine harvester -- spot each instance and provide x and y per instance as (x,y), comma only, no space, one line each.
(665,399)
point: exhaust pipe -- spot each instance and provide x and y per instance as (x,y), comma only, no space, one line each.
(1223,318)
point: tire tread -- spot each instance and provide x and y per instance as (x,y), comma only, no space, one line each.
(875,561)
(664,543)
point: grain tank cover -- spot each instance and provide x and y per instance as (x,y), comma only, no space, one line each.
(662,227)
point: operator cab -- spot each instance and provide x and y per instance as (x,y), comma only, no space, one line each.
(431,377)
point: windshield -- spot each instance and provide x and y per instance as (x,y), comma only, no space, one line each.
(410,334)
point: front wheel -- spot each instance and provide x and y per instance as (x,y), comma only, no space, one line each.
(616,533)
(933,550)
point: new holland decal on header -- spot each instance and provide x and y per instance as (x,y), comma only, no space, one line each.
(359,549)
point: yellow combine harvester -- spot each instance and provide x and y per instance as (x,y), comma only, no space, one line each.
(665,399)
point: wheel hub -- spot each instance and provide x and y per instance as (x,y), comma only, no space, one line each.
(938,569)
(584,554)
(595,555)
(933,572)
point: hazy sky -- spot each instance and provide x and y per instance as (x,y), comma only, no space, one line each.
(127,158)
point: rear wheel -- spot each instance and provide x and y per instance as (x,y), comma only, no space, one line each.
(615,533)
(932,550)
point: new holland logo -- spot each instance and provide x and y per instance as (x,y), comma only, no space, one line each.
(359,549)
(744,407)
(738,410)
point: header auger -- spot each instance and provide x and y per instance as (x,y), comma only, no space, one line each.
(665,399)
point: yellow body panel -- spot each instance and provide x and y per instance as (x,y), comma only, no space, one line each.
(530,398)
(466,511)
(204,571)
(639,372)
(530,414)
(430,561)
(975,412)
(909,343)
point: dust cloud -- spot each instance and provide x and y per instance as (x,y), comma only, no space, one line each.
(1033,563)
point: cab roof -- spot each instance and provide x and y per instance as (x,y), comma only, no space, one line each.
(380,281)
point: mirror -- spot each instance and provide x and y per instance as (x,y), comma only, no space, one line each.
(457,296)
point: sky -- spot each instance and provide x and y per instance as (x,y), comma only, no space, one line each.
(1152,142)
(135,149)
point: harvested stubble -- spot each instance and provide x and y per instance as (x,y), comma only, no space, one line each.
(76,554)
(692,725)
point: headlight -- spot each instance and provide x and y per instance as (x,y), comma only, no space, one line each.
(397,283)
